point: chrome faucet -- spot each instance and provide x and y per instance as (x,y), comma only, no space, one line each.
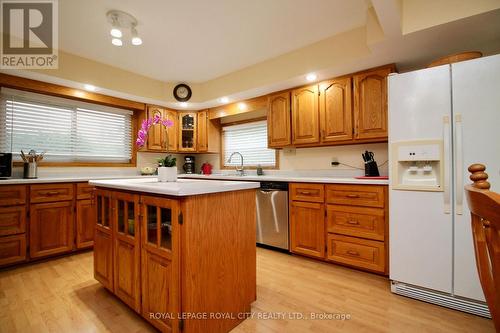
(239,170)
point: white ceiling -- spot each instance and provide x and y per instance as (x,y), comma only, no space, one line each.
(199,40)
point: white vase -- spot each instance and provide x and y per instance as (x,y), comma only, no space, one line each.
(167,174)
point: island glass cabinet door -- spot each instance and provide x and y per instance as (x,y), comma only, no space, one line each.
(160,245)
(127,248)
(103,239)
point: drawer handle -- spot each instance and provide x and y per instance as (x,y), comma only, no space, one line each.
(353,253)
(52,193)
(305,192)
(353,222)
(352,196)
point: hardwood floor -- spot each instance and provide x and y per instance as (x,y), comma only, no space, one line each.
(62,296)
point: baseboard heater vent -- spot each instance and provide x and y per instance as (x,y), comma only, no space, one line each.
(443,299)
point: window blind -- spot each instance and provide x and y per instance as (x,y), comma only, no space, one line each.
(67,130)
(250,140)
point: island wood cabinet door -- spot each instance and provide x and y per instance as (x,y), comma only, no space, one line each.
(370,104)
(336,110)
(85,223)
(278,120)
(187,131)
(305,115)
(103,239)
(202,130)
(51,228)
(160,269)
(127,248)
(156,134)
(307,228)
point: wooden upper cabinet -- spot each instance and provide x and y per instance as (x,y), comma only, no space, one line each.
(51,228)
(335,110)
(202,130)
(278,120)
(370,104)
(187,131)
(156,134)
(171,132)
(305,115)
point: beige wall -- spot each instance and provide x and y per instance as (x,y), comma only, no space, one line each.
(423,14)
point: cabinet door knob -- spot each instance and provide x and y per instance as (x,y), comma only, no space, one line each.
(354,222)
(353,253)
(305,192)
(352,196)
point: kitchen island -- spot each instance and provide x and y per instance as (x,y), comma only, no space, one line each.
(180,254)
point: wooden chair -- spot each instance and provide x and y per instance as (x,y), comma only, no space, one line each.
(485,214)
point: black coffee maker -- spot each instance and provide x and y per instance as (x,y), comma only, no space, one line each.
(188,164)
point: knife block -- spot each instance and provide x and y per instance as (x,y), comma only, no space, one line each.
(371,169)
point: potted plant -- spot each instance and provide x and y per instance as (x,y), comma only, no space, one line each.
(167,169)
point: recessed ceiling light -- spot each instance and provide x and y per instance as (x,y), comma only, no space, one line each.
(242,106)
(311,77)
(224,100)
(184,104)
(89,87)
(117,42)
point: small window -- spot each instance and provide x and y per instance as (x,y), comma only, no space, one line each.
(67,130)
(249,139)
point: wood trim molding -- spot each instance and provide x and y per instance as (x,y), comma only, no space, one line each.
(252,104)
(16,82)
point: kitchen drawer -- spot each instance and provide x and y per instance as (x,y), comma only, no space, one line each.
(51,192)
(307,192)
(12,195)
(84,191)
(356,195)
(356,221)
(12,249)
(12,220)
(356,252)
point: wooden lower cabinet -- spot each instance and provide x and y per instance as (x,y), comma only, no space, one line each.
(103,239)
(85,223)
(358,252)
(12,220)
(12,249)
(307,228)
(126,234)
(340,223)
(51,228)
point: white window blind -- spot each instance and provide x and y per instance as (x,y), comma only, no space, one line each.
(67,130)
(250,140)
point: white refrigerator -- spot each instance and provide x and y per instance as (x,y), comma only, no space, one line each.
(449,115)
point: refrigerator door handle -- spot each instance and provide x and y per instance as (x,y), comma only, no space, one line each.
(446,162)
(459,161)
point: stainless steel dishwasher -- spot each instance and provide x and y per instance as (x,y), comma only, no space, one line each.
(272,215)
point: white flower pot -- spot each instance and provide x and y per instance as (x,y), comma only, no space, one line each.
(167,174)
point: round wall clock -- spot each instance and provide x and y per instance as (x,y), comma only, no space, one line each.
(182,92)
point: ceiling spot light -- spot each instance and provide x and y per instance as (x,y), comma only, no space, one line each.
(116,42)
(184,104)
(89,87)
(242,106)
(136,40)
(224,100)
(121,22)
(311,77)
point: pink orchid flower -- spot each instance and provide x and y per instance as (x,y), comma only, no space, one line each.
(142,134)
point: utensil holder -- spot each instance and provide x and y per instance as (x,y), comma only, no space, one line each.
(371,169)
(30,170)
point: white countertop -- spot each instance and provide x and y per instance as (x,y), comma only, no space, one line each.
(182,187)
(289,178)
(63,179)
